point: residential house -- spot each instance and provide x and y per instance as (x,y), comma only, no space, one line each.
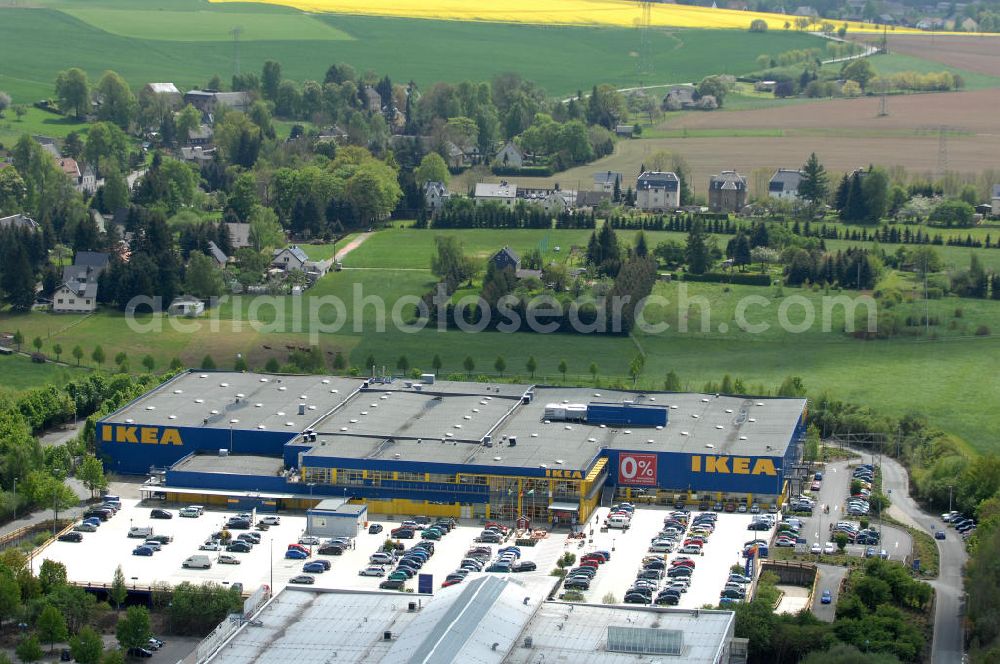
(511,156)
(290,258)
(202,135)
(78,291)
(784,184)
(727,192)
(591,199)
(679,97)
(83,181)
(216,254)
(373,100)
(436,194)
(207,101)
(624,130)
(658,192)
(198,154)
(504,193)
(994,201)
(49,145)
(239,235)
(88,181)
(168,92)
(558,201)
(186,305)
(605,181)
(19,221)
(507,259)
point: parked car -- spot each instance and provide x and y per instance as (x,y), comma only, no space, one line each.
(310,540)
(381,557)
(392,584)
(226,559)
(85,527)
(331,550)
(271,520)
(374,528)
(826,598)
(577,584)
(304,579)
(189,512)
(939,535)
(372,570)
(403,533)
(524,566)
(252,538)
(140,652)
(239,546)
(815,548)
(160,514)
(315,567)
(296,554)
(210,546)
(142,550)
(72,536)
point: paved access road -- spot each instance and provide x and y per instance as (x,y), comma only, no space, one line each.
(948,646)
(830,578)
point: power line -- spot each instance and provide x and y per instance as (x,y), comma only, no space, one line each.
(644,59)
(236,32)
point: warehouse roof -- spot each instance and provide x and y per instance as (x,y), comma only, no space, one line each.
(488,620)
(235,464)
(254,401)
(447,422)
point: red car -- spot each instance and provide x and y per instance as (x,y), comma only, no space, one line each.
(682,563)
(593,556)
(298,547)
(450,582)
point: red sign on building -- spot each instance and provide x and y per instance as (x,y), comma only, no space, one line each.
(635,469)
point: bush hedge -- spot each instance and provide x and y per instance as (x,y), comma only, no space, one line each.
(730,278)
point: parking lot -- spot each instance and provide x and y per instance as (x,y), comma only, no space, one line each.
(94,559)
(723,549)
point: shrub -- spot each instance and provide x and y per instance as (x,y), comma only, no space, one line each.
(758,25)
(982,331)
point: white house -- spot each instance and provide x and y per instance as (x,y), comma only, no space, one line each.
(290,258)
(78,292)
(504,193)
(657,191)
(995,200)
(435,196)
(510,156)
(605,181)
(784,184)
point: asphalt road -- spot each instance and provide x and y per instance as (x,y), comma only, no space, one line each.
(948,647)
(830,577)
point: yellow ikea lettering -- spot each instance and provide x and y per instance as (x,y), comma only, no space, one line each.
(143,435)
(564,474)
(106,433)
(716,464)
(740,465)
(764,467)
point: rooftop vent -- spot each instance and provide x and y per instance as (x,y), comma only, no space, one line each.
(203,376)
(199,401)
(240,395)
(387,636)
(150,407)
(282,388)
(214,412)
(704,400)
(280,413)
(178,391)
(325,381)
(263,380)
(529,642)
(223,384)
(171,417)
(719,426)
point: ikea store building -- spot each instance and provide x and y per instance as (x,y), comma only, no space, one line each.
(443,448)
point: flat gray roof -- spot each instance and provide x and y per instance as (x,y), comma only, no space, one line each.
(446,424)
(238,464)
(256,401)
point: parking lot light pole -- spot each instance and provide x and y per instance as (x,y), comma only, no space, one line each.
(949,495)
(15,500)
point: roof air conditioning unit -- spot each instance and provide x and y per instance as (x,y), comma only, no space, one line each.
(512,441)
(302,409)
(529,642)
(387,636)
(411,607)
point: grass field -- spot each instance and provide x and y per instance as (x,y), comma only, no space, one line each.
(619,13)
(36,121)
(20,373)
(905,374)
(34,47)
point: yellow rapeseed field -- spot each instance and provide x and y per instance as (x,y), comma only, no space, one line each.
(557,12)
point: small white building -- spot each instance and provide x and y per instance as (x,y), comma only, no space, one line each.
(995,201)
(658,191)
(510,156)
(784,184)
(436,194)
(504,193)
(186,305)
(78,292)
(334,517)
(290,258)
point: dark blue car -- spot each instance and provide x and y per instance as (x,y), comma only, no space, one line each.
(142,551)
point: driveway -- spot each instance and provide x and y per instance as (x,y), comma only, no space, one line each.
(948,644)
(829,578)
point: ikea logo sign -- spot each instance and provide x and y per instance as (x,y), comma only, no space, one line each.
(126,433)
(734,465)
(564,474)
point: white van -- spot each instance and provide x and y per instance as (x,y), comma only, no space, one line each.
(197,562)
(619,521)
(140,531)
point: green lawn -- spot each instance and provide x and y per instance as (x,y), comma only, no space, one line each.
(35,50)
(37,121)
(19,373)
(207,25)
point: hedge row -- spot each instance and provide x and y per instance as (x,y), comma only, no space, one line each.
(524,171)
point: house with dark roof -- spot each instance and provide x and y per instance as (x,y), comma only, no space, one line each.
(239,235)
(590,199)
(78,291)
(207,101)
(435,196)
(727,192)
(508,259)
(605,181)
(99,260)
(373,100)
(19,221)
(217,255)
(290,258)
(658,191)
(511,156)
(679,97)
(784,184)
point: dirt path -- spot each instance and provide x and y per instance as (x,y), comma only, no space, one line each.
(351,246)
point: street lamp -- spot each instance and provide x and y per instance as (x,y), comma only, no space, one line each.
(15,500)
(949,494)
